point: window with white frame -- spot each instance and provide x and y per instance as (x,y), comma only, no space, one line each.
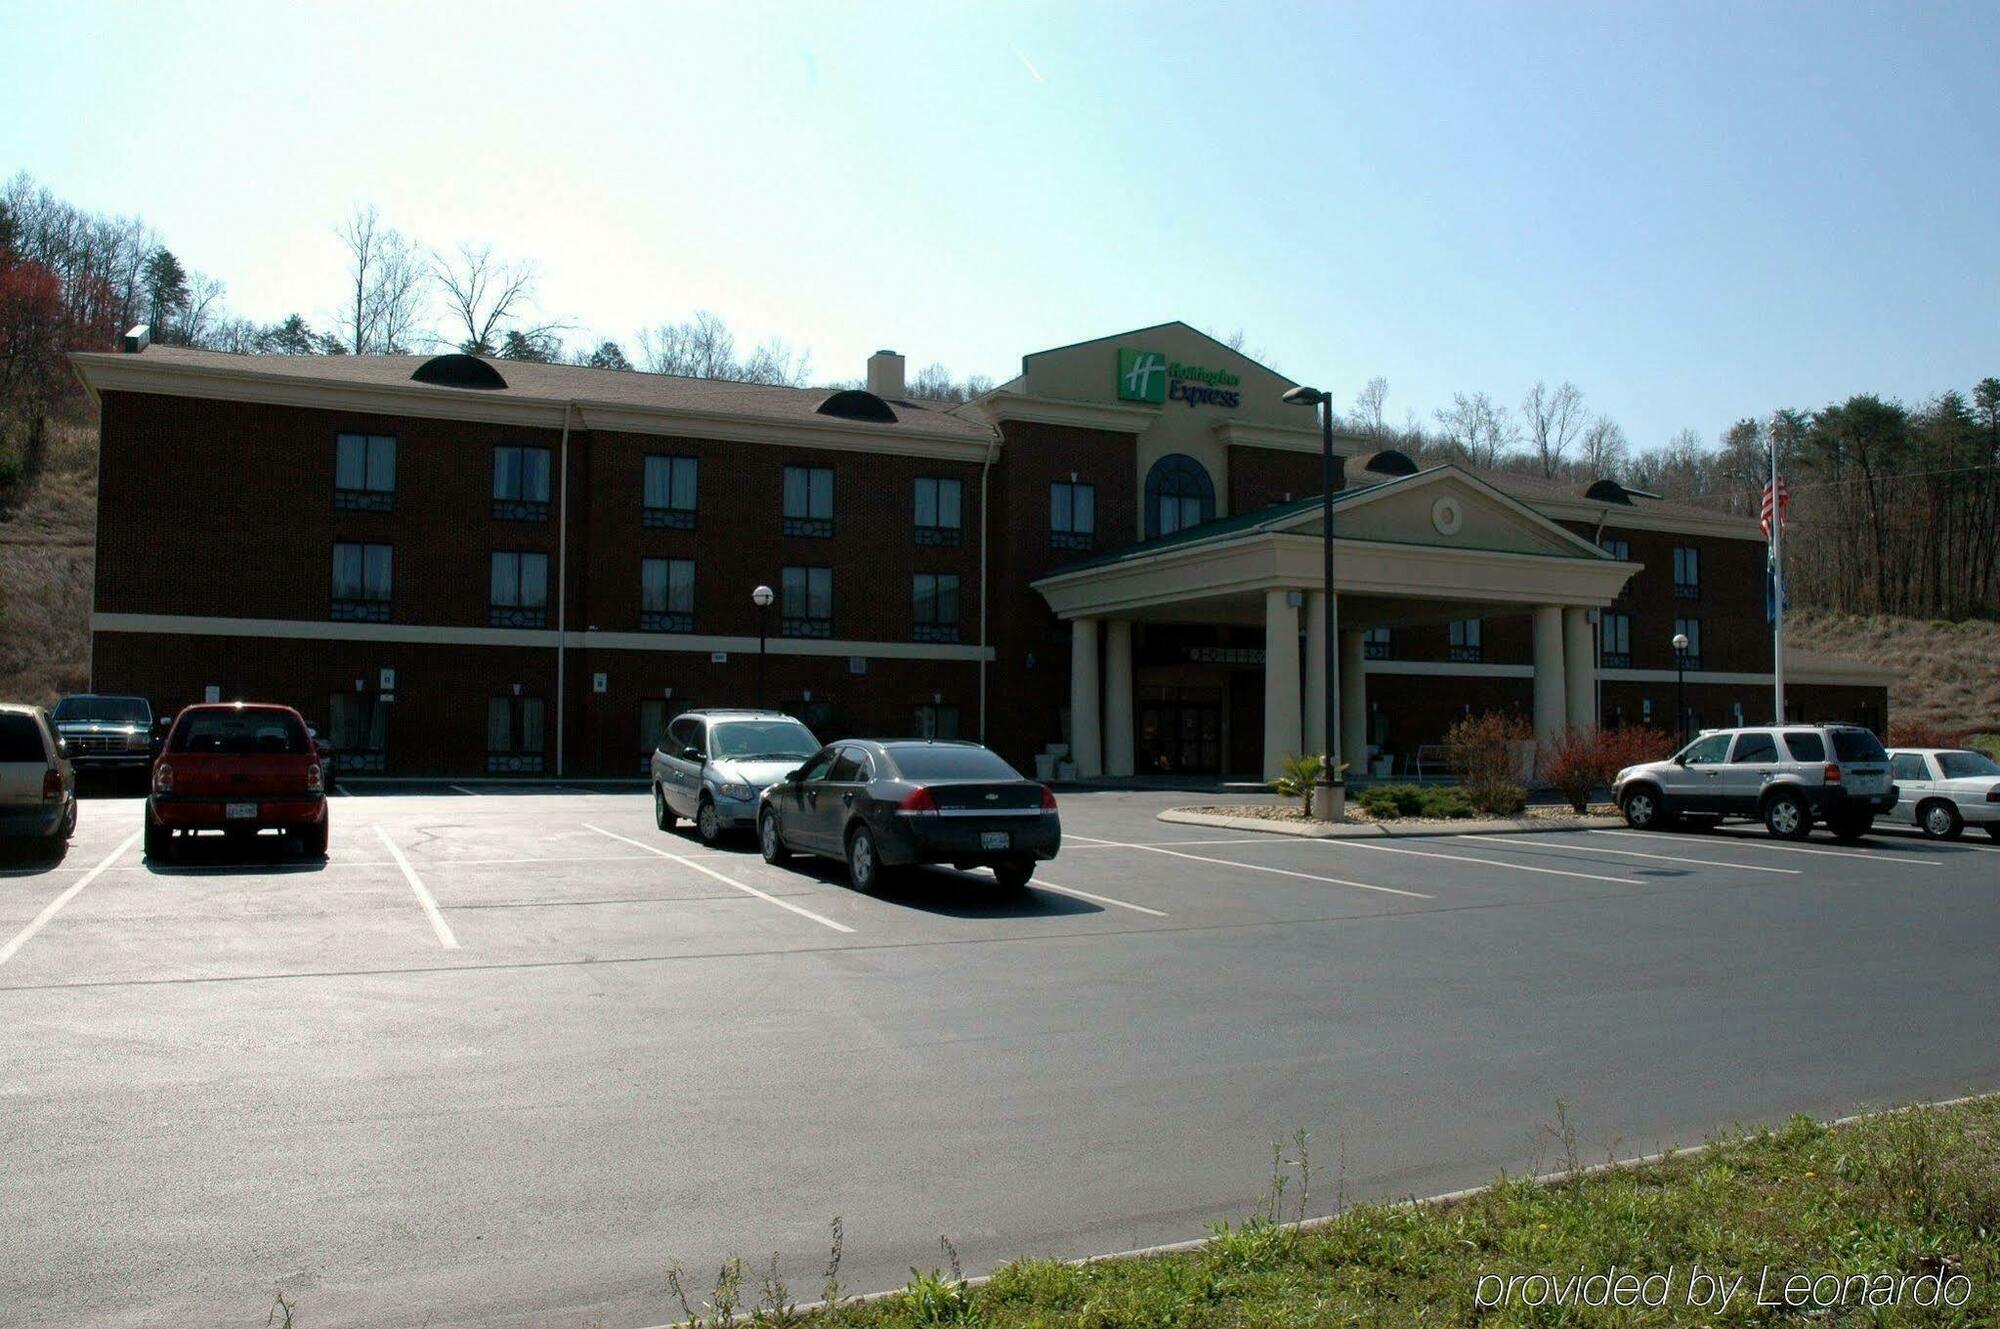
(934,606)
(1465,643)
(1378,644)
(1687,572)
(516,735)
(805,602)
(520,483)
(1616,645)
(666,595)
(1072,515)
(362,576)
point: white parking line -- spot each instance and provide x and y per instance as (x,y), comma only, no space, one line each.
(1633,853)
(1488,862)
(726,881)
(1751,843)
(424,897)
(1258,867)
(55,906)
(1048,885)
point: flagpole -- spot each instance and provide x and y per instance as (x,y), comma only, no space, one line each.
(1777,587)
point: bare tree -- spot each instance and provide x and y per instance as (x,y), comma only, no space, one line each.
(702,347)
(1477,430)
(484,296)
(1370,409)
(385,303)
(1554,418)
(1604,449)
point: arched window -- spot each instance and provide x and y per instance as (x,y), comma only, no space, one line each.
(1179,494)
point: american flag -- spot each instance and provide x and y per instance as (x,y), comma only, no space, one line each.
(1776,498)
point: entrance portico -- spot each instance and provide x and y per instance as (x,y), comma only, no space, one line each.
(1437,546)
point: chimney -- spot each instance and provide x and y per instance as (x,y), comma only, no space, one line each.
(885,375)
(137,339)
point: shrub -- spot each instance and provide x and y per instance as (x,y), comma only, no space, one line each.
(1301,774)
(1632,745)
(1481,750)
(1922,734)
(1443,803)
(1388,801)
(1573,765)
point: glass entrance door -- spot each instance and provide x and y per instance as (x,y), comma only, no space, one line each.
(1180,731)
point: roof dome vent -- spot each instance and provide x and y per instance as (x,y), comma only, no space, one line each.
(1609,491)
(855,404)
(459,371)
(1389,461)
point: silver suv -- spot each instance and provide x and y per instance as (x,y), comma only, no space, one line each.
(1786,776)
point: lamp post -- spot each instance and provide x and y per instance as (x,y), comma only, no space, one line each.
(1330,798)
(762,598)
(1680,684)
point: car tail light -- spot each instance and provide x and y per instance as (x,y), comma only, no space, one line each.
(1832,773)
(163,779)
(917,803)
(1048,799)
(312,778)
(52,788)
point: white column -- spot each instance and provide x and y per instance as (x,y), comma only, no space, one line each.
(1083,730)
(1118,756)
(1579,669)
(1353,703)
(1314,734)
(1281,681)
(1549,690)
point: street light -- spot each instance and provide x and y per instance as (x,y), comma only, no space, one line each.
(1332,792)
(1680,682)
(762,598)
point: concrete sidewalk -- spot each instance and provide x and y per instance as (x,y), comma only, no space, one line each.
(1406,826)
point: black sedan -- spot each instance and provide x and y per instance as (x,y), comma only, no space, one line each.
(887,804)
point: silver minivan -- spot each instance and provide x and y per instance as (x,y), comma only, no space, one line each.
(1786,776)
(713,766)
(37,782)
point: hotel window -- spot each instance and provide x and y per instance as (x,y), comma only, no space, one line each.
(809,501)
(1465,647)
(364,473)
(1692,628)
(1616,648)
(1687,572)
(1179,494)
(1378,644)
(361,582)
(938,505)
(655,714)
(937,721)
(1072,515)
(519,595)
(521,484)
(669,499)
(666,595)
(934,608)
(805,604)
(516,735)
(1618,549)
(358,728)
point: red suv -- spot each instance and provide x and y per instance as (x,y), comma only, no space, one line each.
(238,768)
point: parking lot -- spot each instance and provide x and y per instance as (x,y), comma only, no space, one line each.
(504,1054)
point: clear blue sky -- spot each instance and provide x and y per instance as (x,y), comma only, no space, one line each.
(1696,212)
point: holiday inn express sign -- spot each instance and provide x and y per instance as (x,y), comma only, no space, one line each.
(1148,376)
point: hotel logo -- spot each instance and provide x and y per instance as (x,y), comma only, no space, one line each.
(1142,376)
(1150,377)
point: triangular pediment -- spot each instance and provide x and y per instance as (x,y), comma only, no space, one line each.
(1442,507)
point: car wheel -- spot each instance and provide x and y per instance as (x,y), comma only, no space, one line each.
(312,840)
(663,816)
(1642,809)
(1940,820)
(864,869)
(708,822)
(69,822)
(772,840)
(1786,817)
(1013,876)
(159,841)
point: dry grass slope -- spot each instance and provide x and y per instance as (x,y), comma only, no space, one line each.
(47,546)
(1947,674)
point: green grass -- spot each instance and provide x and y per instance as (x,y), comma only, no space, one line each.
(1908,1193)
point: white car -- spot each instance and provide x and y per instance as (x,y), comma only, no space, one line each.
(37,783)
(1941,791)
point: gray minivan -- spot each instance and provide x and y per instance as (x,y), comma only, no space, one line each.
(713,766)
(37,782)
(1786,776)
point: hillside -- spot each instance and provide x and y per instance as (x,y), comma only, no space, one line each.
(1949,672)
